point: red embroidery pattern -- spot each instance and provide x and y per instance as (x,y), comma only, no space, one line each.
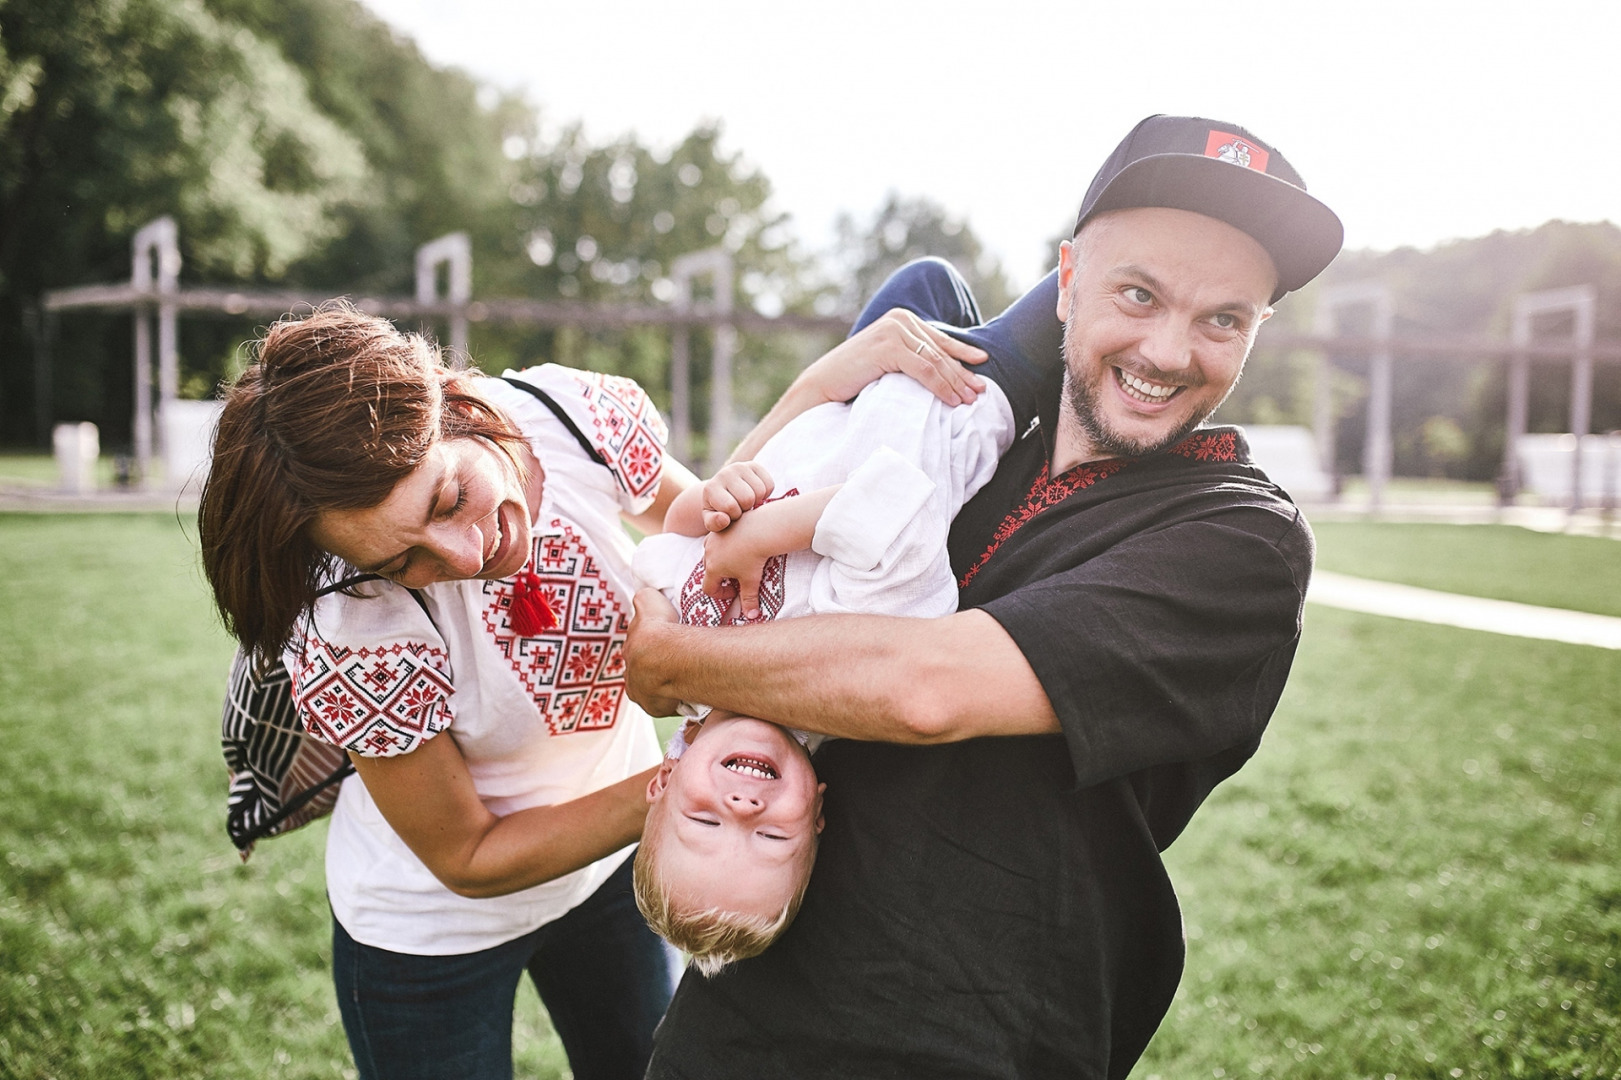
(698,608)
(626,427)
(1200,446)
(1208,446)
(576,672)
(1044,493)
(378,702)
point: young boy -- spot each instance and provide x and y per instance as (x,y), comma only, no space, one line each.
(845,509)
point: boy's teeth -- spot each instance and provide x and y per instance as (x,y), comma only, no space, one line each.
(754,767)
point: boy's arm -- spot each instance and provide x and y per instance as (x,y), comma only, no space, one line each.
(741,550)
(715,503)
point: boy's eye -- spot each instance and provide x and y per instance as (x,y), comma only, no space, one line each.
(703,820)
(772,836)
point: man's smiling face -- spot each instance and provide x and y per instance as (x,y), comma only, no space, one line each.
(1160,308)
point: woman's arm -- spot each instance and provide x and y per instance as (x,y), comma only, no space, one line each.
(675,479)
(427,797)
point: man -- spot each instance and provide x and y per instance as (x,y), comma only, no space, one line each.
(1130,605)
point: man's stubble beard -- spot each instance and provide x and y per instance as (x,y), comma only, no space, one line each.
(1081,400)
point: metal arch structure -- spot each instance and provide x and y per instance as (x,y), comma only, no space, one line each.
(717,264)
(455,251)
(156,242)
(1377,451)
(1581,301)
(153,295)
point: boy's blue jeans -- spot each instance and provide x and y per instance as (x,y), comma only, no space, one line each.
(604,977)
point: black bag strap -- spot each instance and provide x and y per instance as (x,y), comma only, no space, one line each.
(557,410)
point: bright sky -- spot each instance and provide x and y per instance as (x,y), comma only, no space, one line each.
(1417,120)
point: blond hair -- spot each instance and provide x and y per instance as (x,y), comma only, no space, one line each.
(713,937)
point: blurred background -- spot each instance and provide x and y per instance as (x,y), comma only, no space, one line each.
(312,146)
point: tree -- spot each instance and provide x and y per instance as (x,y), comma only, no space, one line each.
(113,113)
(904,229)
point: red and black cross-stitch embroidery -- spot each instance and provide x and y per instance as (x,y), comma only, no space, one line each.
(1044,493)
(698,608)
(1200,446)
(377,702)
(626,427)
(575,672)
(1208,446)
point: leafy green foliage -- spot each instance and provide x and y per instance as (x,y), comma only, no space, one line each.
(1463,288)
(303,141)
(904,229)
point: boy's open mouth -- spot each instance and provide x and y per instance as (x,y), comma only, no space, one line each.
(750,766)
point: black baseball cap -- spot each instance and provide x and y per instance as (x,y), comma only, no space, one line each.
(1222,171)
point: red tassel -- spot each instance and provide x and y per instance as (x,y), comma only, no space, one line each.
(530,614)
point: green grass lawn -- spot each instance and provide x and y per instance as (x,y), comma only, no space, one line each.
(1416,877)
(1500,561)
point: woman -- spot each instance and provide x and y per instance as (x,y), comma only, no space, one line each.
(454,864)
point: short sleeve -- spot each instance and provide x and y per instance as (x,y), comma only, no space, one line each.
(1172,646)
(615,415)
(371,673)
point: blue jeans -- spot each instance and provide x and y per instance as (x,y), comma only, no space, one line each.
(929,288)
(604,977)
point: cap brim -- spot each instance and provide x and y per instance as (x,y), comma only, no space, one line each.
(1300,233)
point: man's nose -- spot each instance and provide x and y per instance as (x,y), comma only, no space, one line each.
(743,804)
(1168,346)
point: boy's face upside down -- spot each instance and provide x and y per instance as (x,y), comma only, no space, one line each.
(736,817)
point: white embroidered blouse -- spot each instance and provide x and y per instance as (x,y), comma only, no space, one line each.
(538,719)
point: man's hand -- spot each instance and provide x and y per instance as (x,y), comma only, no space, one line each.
(738,487)
(651,614)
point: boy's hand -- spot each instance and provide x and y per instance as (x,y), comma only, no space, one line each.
(739,553)
(738,487)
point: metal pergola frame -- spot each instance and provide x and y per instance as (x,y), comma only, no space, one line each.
(155,300)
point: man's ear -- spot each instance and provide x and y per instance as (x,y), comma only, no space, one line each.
(1066,277)
(661,780)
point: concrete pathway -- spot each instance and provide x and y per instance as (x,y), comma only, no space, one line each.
(1468,612)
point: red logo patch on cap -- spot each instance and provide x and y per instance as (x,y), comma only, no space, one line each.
(1225,146)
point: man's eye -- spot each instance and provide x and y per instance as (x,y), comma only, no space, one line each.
(1226,321)
(1139,295)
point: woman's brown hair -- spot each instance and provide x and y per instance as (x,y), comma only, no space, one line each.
(335,408)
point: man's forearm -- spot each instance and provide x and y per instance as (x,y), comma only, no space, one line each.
(878,678)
